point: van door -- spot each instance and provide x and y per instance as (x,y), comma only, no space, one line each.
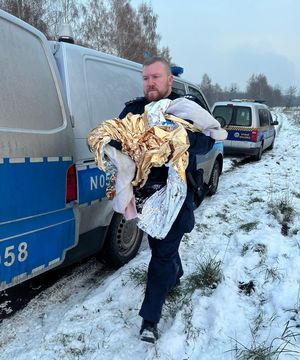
(265,127)
(37,226)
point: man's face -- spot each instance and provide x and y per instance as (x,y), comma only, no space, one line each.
(157,81)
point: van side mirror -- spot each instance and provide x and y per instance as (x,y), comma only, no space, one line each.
(275,122)
(221,120)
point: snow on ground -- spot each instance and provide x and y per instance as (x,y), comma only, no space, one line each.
(242,229)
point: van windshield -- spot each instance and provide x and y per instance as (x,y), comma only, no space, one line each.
(234,115)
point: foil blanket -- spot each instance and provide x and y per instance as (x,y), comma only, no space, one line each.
(161,209)
(150,139)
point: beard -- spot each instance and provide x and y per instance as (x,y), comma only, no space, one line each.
(153,94)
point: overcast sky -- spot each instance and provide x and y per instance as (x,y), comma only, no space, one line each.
(232,39)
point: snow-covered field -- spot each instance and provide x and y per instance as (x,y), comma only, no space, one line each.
(250,230)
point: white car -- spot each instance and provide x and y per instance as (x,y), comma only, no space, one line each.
(249,125)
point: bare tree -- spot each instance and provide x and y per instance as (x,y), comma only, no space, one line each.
(291,96)
(46,15)
(259,89)
(165,53)
(32,12)
(125,30)
(96,28)
(208,89)
(114,26)
(149,38)
(63,11)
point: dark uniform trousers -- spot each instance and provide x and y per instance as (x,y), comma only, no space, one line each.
(165,266)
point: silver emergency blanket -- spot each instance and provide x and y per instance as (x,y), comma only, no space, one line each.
(161,209)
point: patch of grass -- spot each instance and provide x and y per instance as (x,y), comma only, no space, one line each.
(283,211)
(207,275)
(74,344)
(255,200)
(249,226)
(247,288)
(176,300)
(258,322)
(296,194)
(191,332)
(201,227)
(139,275)
(185,239)
(245,249)
(272,273)
(269,350)
(258,248)
(296,117)
(296,311)
(223,216)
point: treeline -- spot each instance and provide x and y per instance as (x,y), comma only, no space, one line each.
(115,27)
(257,88)
(112,26)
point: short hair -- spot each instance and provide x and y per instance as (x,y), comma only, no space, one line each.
(153,59)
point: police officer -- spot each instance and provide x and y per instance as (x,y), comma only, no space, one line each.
(165,268)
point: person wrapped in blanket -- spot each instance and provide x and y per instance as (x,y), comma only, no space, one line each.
(153,145)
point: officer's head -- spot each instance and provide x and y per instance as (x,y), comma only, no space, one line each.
(157,78)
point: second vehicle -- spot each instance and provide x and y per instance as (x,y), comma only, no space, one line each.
(249,124)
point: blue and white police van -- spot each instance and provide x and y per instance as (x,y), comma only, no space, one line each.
(249,124)
(53,209)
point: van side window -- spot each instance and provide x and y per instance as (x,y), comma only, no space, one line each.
(178,88)
(270,117)
(106,80)
(263,117)
(197,93)
(26,82)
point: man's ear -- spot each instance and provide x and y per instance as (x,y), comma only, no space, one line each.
(170,80)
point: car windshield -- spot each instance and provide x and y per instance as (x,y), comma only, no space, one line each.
(234,115)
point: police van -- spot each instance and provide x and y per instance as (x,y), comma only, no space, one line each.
(249,124)
(53,208)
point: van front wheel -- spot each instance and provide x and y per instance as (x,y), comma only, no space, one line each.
(214,179)
(122,241)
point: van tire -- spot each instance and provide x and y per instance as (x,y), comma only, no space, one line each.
(122,241)
(272,144)
(257,157)
(214,179)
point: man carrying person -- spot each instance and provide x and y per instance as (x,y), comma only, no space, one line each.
(165,268)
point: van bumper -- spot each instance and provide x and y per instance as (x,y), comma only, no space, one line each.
(241,147)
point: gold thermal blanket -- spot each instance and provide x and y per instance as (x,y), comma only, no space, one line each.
(146,146)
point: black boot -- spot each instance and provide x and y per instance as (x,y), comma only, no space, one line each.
(149,331)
